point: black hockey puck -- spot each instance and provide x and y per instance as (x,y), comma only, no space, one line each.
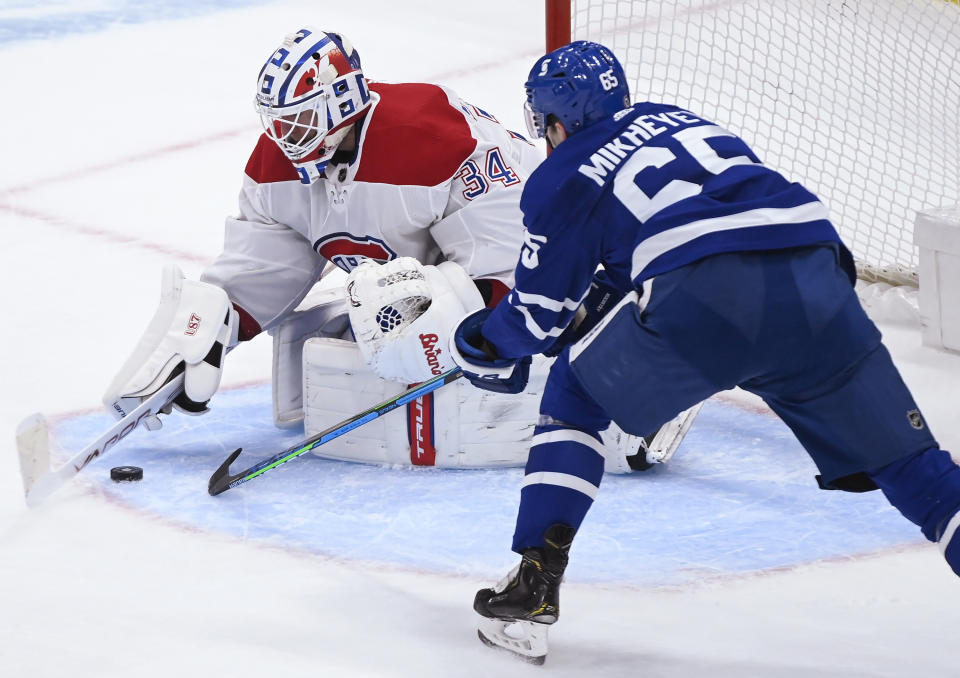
(120,474)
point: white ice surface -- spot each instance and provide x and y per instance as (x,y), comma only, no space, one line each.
(122,148)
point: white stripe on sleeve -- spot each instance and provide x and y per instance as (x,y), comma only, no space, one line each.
(525,299)
(672,238)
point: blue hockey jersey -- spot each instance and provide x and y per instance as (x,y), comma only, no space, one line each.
(653,188)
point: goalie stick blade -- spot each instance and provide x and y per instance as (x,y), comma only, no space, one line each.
(34,444)
(221,479)
(33,449)
(523,639)
(666,441)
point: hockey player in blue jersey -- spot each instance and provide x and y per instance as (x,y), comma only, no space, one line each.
(730,275)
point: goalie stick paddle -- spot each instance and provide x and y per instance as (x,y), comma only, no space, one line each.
(222,480)
(664,443)
(33,444)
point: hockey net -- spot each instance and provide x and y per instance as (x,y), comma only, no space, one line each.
(858,100)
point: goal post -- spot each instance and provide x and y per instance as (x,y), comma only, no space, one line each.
(857,99)
(558,23)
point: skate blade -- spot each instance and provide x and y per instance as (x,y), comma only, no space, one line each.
(523,639)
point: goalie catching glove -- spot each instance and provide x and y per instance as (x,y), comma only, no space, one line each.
(403,312)
(191,330)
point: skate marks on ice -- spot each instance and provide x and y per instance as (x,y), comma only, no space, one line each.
(738,497)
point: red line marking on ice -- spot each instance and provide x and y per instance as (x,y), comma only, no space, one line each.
(113,236)
(128,160)
(55,420)
(146,156)
(103,233)
(530,55)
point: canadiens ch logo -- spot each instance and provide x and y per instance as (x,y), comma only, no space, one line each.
(347,251)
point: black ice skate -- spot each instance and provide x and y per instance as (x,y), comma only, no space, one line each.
(523,604)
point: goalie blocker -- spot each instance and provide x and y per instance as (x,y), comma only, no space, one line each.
(193,327)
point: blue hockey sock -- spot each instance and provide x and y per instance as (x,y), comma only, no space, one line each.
(925,488)
(563,475)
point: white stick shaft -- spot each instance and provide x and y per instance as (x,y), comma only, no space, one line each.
(49,482)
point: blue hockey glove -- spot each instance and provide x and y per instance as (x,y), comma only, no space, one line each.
(479,361)
(601,297)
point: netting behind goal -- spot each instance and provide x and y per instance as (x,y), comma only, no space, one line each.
(857,99)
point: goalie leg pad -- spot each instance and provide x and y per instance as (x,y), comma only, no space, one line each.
(337,384)
(457,426)
(327,317)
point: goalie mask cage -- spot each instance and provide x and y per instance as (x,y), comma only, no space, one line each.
(859,100)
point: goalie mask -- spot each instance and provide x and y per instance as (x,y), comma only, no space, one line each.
(580,83)
(309,93)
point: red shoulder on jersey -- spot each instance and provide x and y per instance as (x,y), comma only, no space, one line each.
(415,137)
(268,164)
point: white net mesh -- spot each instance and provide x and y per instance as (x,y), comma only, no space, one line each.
(858,100)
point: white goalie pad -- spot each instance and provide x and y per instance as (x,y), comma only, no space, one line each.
(457,426)
(322,314)
(449,427)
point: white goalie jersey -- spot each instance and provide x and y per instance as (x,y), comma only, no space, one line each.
(433,178)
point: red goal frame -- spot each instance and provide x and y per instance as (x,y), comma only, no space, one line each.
(557,23)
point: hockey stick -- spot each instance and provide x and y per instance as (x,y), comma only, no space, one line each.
(665,442)
(221,480)
(33,444)
(659,447)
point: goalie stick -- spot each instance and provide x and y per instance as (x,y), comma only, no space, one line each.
(222,480)
(659,447)
(33,444)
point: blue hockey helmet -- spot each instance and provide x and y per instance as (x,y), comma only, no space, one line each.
(580,83)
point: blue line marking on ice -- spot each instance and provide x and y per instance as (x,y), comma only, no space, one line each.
(738,497)
(21,21)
